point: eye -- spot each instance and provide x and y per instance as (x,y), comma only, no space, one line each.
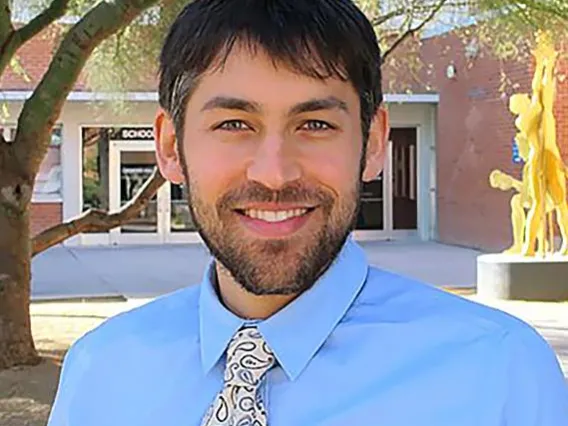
(233,126)
(317,126)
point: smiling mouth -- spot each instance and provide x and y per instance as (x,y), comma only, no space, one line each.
(275,216)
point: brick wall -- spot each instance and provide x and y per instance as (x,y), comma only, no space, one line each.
(34,58)
(561,107)
(474,136)
(45,215)
(475,132)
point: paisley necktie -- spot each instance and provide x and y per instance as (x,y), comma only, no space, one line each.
(239,402)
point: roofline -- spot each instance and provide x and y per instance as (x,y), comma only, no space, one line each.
(412,98)
(77,96)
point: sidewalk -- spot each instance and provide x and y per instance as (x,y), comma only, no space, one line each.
(149,271)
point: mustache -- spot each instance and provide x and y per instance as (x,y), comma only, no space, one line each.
(256,192)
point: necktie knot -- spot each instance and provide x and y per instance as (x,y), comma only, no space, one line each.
(248,358)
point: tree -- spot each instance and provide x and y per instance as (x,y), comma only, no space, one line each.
(20,159)
(95,44)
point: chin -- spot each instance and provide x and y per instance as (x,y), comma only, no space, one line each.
(275,287)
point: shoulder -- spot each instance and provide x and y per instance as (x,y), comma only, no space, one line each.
(126,355)
(171,316)
(388,296)
(507,358)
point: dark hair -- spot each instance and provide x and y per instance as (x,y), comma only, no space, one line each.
(318,38)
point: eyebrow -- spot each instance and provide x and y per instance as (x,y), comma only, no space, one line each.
(329,103)
(227,102)
(312,105)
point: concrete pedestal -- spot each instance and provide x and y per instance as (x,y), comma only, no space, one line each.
(501,276)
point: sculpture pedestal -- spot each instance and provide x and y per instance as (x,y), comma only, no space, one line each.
(511,277)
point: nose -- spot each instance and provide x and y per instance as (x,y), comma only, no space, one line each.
(274,164)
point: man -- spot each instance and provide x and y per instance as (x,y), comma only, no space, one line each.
(271,115)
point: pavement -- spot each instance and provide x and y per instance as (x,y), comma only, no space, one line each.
(147,271)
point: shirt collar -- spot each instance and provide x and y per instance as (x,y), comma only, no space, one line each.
(296,332)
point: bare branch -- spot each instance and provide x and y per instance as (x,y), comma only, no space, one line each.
(418,8)
(381,20)
(98,220)
(411,31)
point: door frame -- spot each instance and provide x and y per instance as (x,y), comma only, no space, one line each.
(116,237)
(189,237)
(399,234)
(388,232)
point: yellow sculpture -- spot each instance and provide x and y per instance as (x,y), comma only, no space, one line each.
(542,190)
(520,201)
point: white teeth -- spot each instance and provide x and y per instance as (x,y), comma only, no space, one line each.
(275,216)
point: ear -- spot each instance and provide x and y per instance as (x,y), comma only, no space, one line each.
(166,148)
(376,145)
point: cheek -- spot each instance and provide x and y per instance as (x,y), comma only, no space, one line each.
(337,169)
(211,170)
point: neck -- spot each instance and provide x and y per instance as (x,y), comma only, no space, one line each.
(245,304)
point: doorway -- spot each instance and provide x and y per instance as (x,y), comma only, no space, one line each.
(166,218)
(389,203)
(114,170)
(404,182)
(130,166)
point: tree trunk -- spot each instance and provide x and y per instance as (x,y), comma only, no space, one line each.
(16,342)
(21,159)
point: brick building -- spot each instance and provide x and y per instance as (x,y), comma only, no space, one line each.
(474,136)
(448,134)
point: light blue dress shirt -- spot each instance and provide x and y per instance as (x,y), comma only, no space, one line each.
(362,347)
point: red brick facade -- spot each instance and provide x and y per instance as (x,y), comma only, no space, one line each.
(474,136)
(475,133)
(34,58)
(44,216)
(562,102)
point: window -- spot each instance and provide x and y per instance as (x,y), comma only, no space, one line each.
(95,147)
(49,182)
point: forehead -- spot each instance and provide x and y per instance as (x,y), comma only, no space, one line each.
(257,77)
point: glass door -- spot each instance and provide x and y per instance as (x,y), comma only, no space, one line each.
(179,225)
(389,206)
(403,191)
(131,164)
(371,212)
(372,220)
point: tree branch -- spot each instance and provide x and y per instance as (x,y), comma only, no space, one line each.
(411,31)
(56,10)
(18,38)
(4,147)
(381,20)
(98,220)
(6,27)
(42,109)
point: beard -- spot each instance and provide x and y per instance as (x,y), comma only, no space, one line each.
(278,266)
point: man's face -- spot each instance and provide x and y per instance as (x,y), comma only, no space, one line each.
(273,164)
